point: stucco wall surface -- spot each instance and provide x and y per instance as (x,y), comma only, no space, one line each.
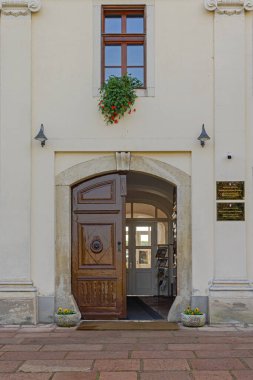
(199,71)
(166,125)
(63,53)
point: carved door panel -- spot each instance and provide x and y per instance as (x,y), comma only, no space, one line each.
(98,247)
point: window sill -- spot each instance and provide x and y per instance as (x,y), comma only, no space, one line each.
(145,92)
(141,93)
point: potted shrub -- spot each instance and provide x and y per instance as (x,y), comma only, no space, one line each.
(193,317)
(66,317)
(117,96)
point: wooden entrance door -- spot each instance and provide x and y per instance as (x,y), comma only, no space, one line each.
(98,247)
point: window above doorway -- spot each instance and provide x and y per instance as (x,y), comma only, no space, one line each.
(123,42)
(149,27)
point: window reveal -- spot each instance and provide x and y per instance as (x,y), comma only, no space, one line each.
(123,42)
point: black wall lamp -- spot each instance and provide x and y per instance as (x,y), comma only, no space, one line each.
(41,136)
(203,137)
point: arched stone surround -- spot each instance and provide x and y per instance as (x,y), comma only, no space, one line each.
(108,164)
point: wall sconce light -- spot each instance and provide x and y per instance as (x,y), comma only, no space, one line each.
(203,137)
(41,136)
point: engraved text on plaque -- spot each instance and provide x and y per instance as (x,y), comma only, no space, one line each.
(230,190)
(230,211)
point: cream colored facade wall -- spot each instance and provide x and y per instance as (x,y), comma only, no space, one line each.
(169,122)
(189,90)
(63,51)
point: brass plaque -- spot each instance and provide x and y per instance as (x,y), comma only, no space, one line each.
(230,190)
(230,211)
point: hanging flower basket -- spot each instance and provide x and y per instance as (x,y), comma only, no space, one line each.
(117,96)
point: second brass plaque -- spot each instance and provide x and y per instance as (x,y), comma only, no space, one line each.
(230,211)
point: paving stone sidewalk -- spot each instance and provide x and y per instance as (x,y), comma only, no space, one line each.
(47,352)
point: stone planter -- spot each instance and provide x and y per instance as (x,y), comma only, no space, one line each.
(193,320)
(67,320)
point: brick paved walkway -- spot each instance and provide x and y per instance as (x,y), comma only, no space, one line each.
(47,352)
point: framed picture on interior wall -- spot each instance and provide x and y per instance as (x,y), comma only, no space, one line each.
(162,252)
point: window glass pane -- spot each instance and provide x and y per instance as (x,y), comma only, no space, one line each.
(135,55)
(143,236)
(142,210)
(127,258)
(112,71)
(128,210)
(112,55)
(113,24)
(135,24)
(136,72)
(162,233)
(143,258)
(161,214)
(127,235)
(174,228)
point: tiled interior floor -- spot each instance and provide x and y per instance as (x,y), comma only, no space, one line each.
(138,309)
(160,306)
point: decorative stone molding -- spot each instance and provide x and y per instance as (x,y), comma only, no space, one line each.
(19,7)
(227,285)
(229,7)
(17,286)
(123,161)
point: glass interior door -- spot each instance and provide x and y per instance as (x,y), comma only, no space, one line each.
(140,252)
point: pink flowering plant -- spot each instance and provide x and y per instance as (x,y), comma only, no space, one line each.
(117,96)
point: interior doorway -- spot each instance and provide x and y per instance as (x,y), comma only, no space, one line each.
(151,243)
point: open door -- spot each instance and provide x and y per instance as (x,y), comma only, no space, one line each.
(98,247)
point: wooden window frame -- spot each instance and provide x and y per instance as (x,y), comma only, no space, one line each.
(123,39)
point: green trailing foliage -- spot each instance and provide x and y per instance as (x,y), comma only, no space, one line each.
(117,96)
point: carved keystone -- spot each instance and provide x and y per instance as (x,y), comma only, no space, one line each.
(123,161)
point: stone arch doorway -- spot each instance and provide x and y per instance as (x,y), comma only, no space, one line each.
(111,164)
